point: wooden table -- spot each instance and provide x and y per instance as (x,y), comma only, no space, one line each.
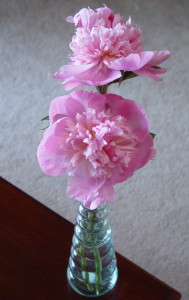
(34,250)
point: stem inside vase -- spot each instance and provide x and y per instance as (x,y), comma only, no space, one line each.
(92,269)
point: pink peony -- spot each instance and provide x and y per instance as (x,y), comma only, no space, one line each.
(99,140)
(103,46)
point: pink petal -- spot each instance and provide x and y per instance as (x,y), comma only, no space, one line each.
(98,76)
(57,109)
(68,74)
(47,163)
(92,192)
(67,70)
(70,19)
(65,106)
(77,75)
(81,186)
(119,176)
(52,158)
(159,57)
(90,99)
(50,164)
(145,57)
(76,102)
(133,113)
(133,61)
(86,17)
(149,72)
(117,19)
(105,194)
(128,63)
(143,156)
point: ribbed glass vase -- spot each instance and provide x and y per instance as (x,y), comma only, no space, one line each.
(92,269)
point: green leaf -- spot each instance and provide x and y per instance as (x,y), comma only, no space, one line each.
(125,75)
(156,67)
(153,135)
(122,77)
(44,128)
(45,118)
(129,75)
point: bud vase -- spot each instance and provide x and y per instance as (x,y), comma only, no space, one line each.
(92,269)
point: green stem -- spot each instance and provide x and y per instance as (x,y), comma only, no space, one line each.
(103,89)
(98,267)
(83,267)
(98,264)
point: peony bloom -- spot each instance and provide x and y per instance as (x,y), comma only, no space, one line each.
(99,140)
(103,46)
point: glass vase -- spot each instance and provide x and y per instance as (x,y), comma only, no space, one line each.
(92,269)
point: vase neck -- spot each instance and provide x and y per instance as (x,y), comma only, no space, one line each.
(101,212)
(92,221)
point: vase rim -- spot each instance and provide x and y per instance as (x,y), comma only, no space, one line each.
(100,207)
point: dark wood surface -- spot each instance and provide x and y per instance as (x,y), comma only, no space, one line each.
(34,250)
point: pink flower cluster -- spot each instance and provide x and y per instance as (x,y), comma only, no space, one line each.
(99,140)
(103,46)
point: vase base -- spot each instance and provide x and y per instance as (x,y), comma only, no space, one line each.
(91,290)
